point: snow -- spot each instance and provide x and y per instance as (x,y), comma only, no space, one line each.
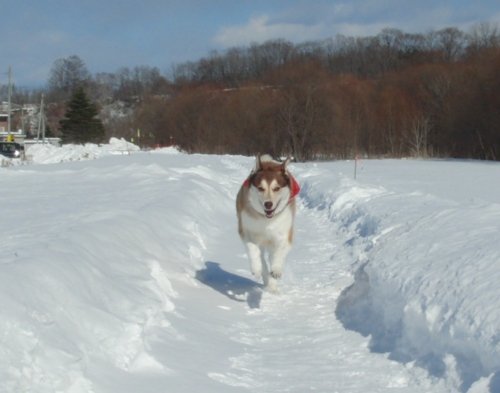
(126,274)
(50,154)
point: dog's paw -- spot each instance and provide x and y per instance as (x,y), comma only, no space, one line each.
(257,272)
(276,273)
(272,287)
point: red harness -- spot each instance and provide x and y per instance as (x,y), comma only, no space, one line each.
(294,186)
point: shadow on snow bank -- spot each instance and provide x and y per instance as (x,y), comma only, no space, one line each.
(392,329)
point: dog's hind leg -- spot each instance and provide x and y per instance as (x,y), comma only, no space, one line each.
(255,256)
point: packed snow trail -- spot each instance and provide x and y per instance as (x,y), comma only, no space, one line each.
(293,341)
(126,274)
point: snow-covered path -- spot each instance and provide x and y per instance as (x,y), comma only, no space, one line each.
(293,342)
(126,274)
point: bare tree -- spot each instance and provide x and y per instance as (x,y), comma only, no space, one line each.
(484,35)
(418,135)
(450,42)
(66,75)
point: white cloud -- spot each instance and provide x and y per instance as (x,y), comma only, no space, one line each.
(52,37)
(360,30)
(260,29)
(304,21)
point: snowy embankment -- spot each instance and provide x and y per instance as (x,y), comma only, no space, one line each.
(126,274)
(425,238)
(50,154)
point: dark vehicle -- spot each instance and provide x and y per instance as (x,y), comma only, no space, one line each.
(11,149)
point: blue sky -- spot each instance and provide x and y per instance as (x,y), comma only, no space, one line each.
(110,34)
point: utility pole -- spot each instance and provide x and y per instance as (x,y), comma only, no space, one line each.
(43,117)
(9,103)
(41,122)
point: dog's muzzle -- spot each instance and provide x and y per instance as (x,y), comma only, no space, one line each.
(268,209)
(269,213)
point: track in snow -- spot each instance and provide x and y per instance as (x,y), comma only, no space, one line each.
(292,341)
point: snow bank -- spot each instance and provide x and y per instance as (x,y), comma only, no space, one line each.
(427,262)
(90,254)
(167,150)
(50,154)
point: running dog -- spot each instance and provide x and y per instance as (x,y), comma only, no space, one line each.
(265,206)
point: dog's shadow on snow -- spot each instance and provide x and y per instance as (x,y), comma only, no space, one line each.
(235,287)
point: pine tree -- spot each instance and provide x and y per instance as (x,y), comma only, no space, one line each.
(80,123)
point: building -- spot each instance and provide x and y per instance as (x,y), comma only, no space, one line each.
(17,119)
(4,120)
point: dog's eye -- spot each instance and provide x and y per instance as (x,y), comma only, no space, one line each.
(261,189)
(276,189)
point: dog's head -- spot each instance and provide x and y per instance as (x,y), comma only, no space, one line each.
(269,186)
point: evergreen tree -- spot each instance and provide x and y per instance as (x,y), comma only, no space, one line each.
(80,123)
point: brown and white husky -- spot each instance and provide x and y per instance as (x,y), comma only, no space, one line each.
(266,209)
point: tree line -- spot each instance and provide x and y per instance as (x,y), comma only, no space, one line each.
(394,94)
(391,95)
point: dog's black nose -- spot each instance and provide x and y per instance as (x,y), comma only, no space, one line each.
(268,205)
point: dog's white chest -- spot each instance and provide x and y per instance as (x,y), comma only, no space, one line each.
(267,231)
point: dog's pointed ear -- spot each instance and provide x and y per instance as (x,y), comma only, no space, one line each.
(258,163)
(285,164)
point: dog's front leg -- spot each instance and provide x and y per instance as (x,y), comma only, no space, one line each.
(255,256)
(277,257)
